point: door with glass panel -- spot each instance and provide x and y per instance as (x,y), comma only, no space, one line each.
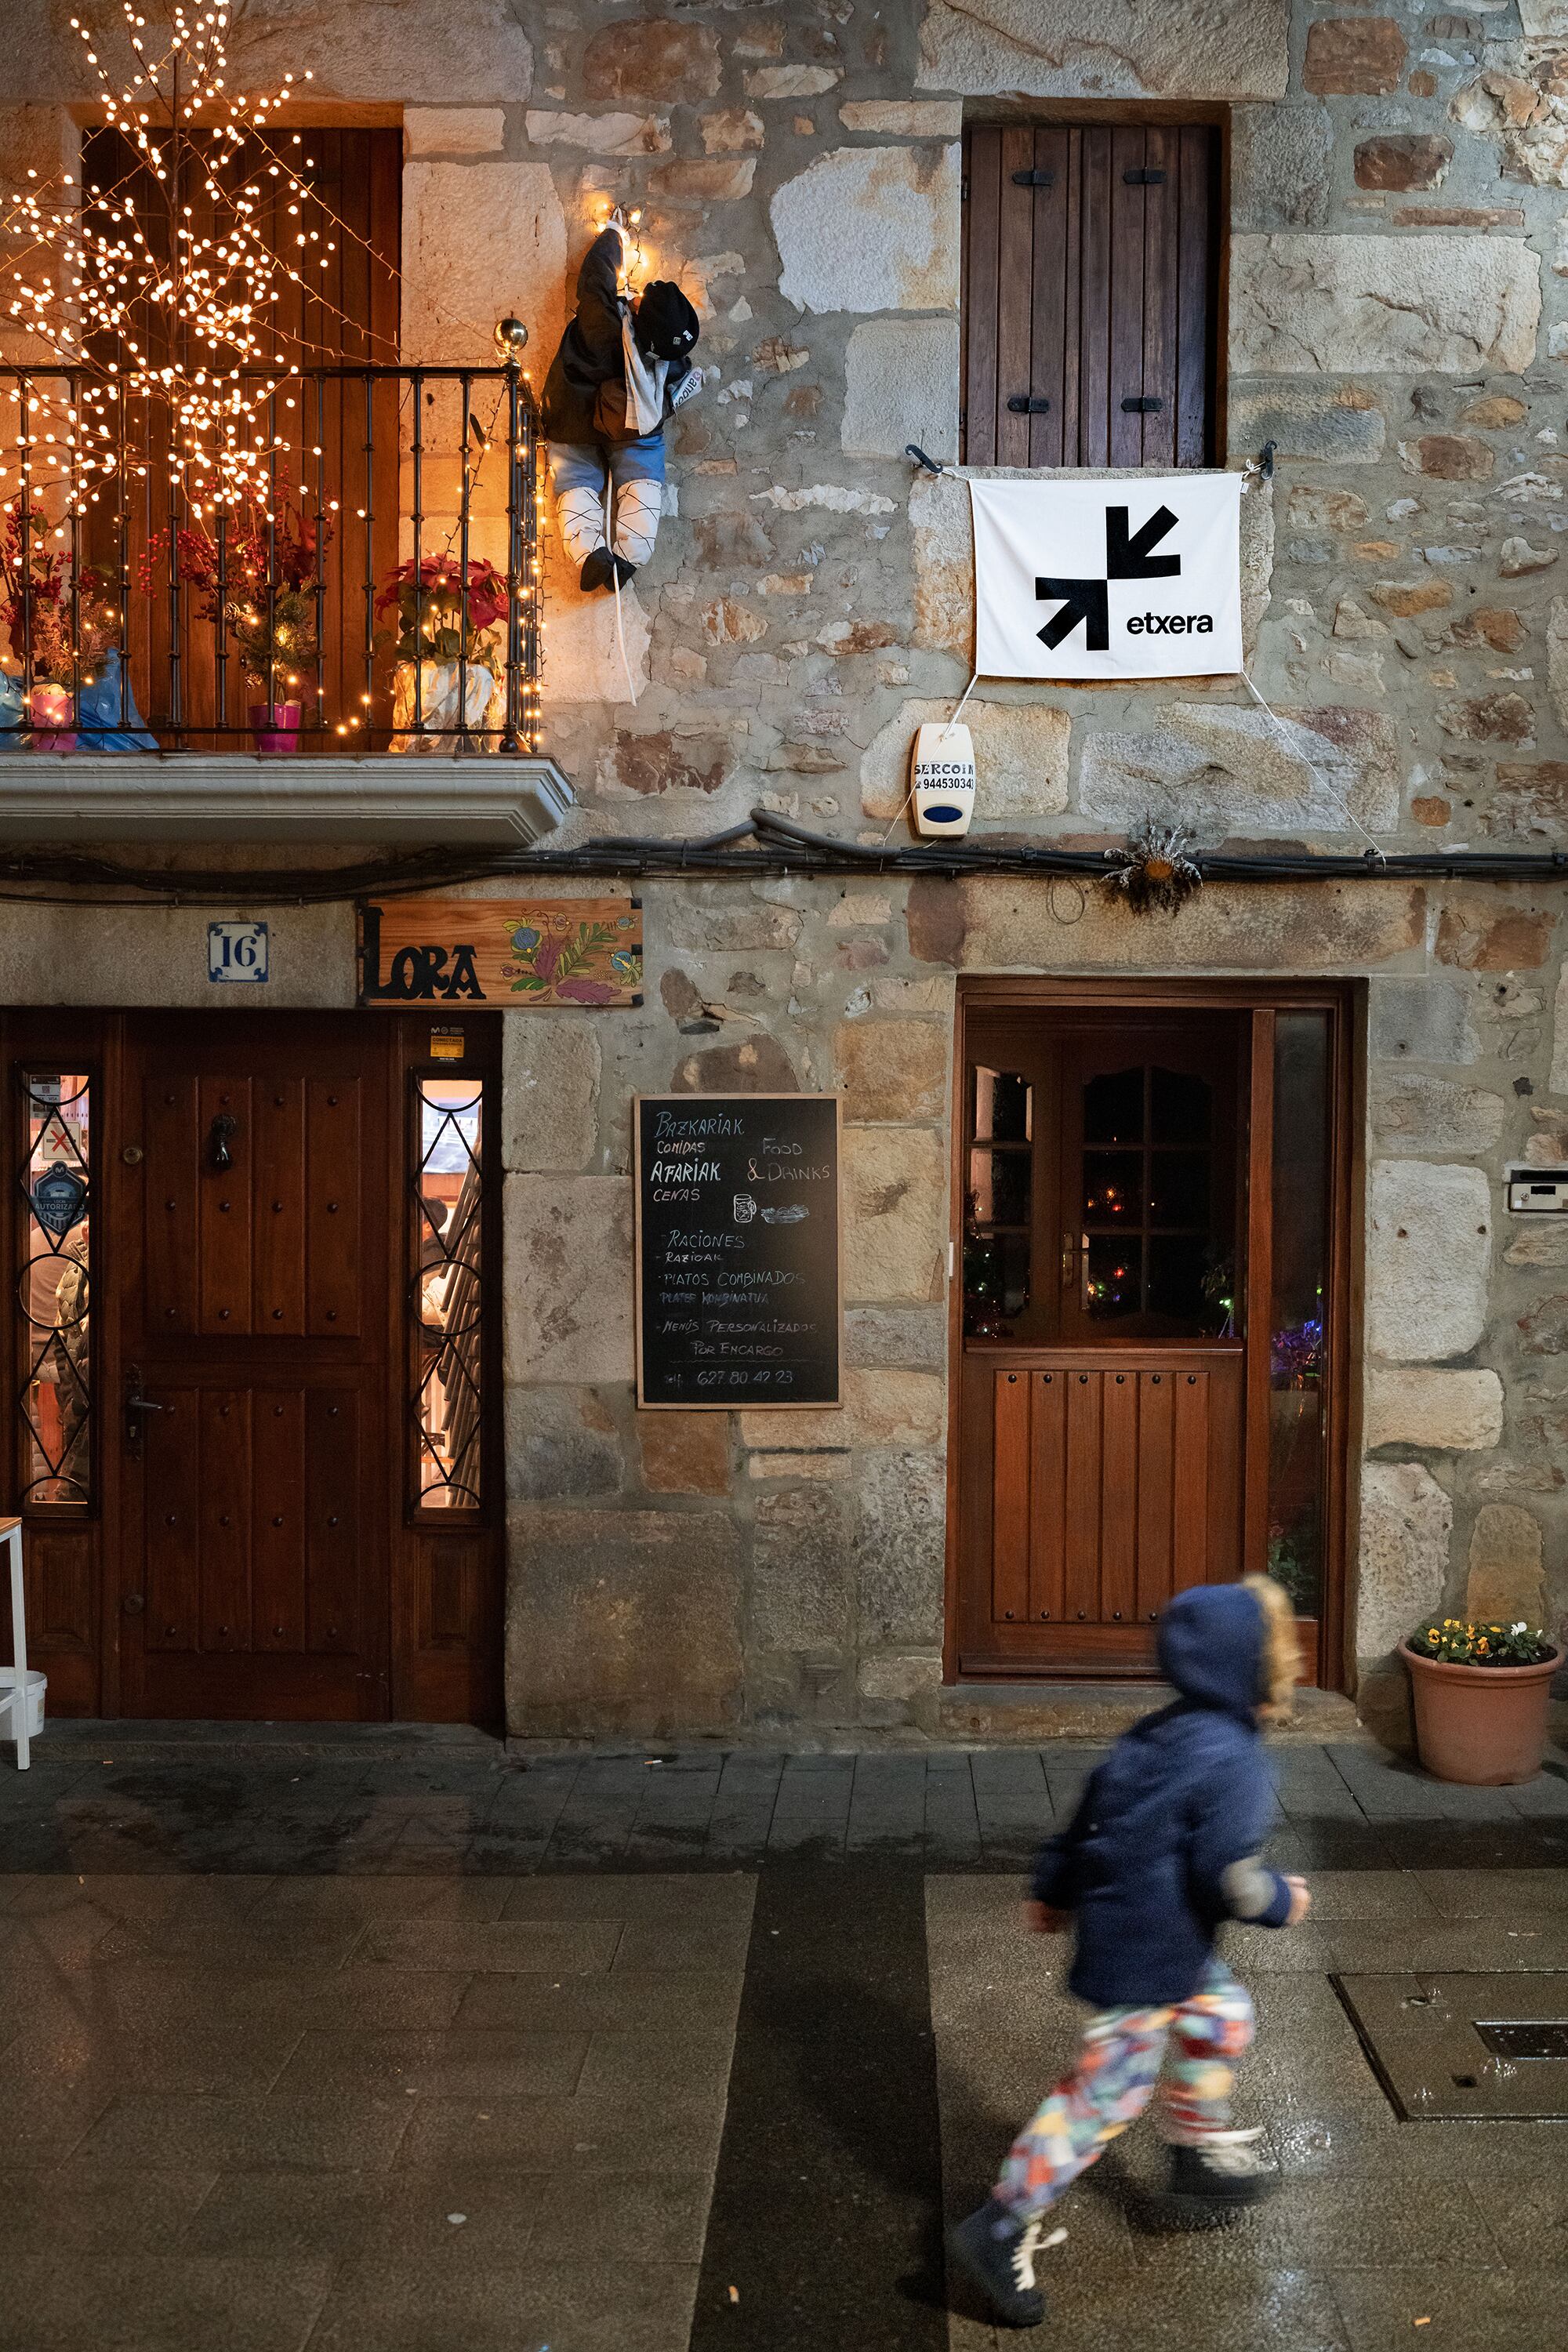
(254,1361)
(1144,1321)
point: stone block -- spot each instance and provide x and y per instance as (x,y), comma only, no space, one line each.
(801,1593)
(41,139)
(1405,598)
(900,385)
(731,131)
(1473,937)
(705,180)
(1304,305)
(560,1445)
(980,925)
(684,1453)
(831,1462)
(1351,56)
(1507,1579)
(754,1064)
(1449,1412)
(1415,1113)
(569,1278)
(1427,1259)
(895,1213)
(582,649)
(622,1621)
(652,60)
(1404,160)
(1543,1243)
(903,254)
(900,1548)
(1020,752)
(550,1092)
(1518,558)
(878,1338)
(662,762)
(453,130)
(1489,718)
(1216,766)
(1341,425)
(1449,456)
(1527,114)
(1544,1330)
(1105,49)
(904,118)
(881,1408)
(1280,169)
(728,925)
(479,240)
(1426,1019)
(906,1678)
(1557,659)
(599,134)
(397,50)
(891,1069)
(1406,1526)
(791,82)
(1559,1077)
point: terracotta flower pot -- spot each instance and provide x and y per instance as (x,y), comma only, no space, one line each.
(1485,1726)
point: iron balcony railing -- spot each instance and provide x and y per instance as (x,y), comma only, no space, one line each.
(372,586)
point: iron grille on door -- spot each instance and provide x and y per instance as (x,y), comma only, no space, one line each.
(1090,309)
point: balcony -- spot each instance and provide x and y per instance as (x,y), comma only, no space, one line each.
(343,646)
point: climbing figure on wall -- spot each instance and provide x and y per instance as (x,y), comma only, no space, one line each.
(624,366)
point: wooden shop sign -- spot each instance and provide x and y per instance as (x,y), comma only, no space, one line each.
(510,953)
(737,1229)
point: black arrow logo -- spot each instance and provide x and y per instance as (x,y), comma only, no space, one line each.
(1129,559)
(1081,600)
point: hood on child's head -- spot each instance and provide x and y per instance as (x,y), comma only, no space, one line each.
(1210,1645)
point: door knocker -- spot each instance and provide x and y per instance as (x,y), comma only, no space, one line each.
(222,1128)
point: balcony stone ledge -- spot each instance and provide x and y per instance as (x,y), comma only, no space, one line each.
(200,796)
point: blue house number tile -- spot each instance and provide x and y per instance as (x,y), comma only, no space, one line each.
(237,951)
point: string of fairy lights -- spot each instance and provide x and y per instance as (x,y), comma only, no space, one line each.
(161,300)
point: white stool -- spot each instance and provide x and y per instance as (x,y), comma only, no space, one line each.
(15,1699)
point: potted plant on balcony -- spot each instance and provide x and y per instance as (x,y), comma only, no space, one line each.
(1481,1694)
(64,639)
(260,578)
(434,636)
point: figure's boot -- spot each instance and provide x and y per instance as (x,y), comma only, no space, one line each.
(598,570)
(997,2250)
(1223,2168)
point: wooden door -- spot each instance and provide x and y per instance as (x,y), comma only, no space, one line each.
(252,1391)
(1102,1386)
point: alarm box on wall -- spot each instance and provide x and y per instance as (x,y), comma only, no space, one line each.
(942,779)
(1538,1191)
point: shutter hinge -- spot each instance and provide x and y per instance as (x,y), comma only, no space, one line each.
(1025,404)
(1033,179)
(1139,407)
(1143,178)
(963,190)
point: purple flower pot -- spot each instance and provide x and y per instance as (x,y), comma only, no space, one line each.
(48,707)
(278,740)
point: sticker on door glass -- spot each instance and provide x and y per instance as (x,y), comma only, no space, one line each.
(237,951)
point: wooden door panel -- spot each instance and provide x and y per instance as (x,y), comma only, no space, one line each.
(223,1199)
(332,1214)
(1113,1484)
(226,1503)
(279,1208)
(170,1536)
(332,1473)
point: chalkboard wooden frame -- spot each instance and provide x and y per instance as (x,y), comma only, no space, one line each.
(741,1401)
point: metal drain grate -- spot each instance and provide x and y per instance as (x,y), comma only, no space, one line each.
(1485,2046)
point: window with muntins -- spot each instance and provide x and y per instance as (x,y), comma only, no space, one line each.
(1090,277)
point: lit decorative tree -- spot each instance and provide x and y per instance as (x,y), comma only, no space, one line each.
(173,306)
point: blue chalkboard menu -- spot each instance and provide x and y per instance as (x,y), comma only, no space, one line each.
(737,1218)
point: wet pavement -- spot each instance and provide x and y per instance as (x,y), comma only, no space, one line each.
(385,2038)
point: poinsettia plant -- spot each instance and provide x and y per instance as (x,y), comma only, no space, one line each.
(61,649)
(257,577)
(427,599)
(1462,1642)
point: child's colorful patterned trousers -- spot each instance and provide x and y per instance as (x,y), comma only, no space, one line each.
(1117,2074)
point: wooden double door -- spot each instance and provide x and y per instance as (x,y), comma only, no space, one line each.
(1152,1234)
(254,1361)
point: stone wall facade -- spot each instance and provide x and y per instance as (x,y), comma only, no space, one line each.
(1398,327)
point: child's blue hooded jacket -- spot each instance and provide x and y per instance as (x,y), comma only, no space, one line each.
(1164,1846)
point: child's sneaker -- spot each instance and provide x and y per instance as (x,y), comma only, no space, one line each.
(998,2252)
(1221,2168)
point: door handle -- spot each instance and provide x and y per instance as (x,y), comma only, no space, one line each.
(1029,404)
(136,1405)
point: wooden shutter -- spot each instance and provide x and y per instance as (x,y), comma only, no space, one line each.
(1090,276)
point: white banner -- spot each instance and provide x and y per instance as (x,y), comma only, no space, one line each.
(1139,577)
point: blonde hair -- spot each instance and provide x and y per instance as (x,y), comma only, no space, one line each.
(1281,1648)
